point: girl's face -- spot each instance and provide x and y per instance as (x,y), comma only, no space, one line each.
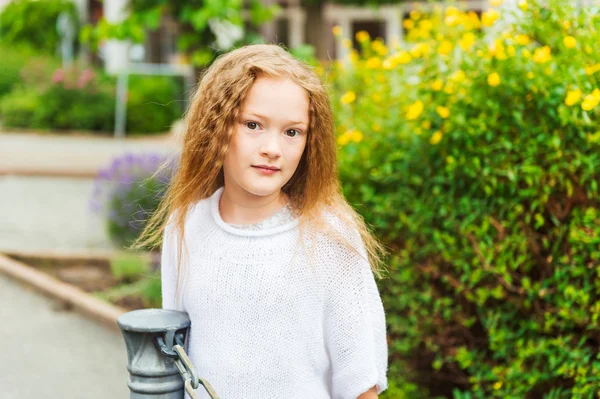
(271,132)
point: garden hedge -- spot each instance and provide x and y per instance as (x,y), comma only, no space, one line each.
(473,150)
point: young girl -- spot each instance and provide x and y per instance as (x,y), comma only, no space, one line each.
(260,248)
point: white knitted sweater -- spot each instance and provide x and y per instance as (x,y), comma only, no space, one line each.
(267,324)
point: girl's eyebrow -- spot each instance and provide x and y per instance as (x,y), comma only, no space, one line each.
(266,118)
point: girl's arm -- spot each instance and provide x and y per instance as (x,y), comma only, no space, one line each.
(355,328)
(370,394)
(168,268)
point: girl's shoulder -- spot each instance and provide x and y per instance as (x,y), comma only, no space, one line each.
(194,212)
(337,234)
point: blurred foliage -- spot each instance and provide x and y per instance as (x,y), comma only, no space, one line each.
(13,60)
(197,20)
(473,150)
(45,96)
(128,266)
(33,23)
(153,105)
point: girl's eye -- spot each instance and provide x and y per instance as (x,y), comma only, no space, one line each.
(252,125)
(295,131)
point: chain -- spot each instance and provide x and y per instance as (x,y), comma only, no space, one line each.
(183,363)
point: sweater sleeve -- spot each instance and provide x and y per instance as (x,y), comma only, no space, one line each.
(168,269)
(355,329)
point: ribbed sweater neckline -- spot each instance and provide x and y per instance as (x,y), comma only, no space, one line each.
(214,210)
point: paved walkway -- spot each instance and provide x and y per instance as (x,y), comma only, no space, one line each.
(46,183)
(23,153)
(52,353)
(45,186)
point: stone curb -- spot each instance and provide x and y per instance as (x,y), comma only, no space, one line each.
(82,301)
(83,254)
(45,172)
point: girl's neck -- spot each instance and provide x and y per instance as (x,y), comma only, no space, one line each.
(245,208)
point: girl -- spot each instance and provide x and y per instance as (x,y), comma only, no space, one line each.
(260,248)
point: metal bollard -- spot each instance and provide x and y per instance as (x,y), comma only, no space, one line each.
(157,363)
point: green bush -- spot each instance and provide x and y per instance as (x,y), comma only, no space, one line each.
(154,103)
(477,160)
(84,99)
(76,105)
(13,60)
(19,107)
(129,266)
(33,23)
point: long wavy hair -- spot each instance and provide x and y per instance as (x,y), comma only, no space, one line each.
(216,103)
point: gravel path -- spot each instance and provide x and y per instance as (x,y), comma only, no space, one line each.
(52,353)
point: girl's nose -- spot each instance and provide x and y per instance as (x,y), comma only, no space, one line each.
(271,146)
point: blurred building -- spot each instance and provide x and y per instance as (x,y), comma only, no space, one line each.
(297,23)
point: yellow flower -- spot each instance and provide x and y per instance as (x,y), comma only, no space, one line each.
(426,25)
(573,97)
(591,101)
(376,97)
(403,57)
(459,76)
(350,135)
(592,69)
(496,3)
(489,17)
(497,50)
(343,139)
(426,125)
(526,53)
(348,98)
(530,75)
(523,40)
(408,24)
(511,50)
(337,30)
(467,41)
(373,63)
(445,47)
(498,385)
(587,49)
(493,79)
(379,47)
(414,110)
(387,64)
(436,137)
(347,43)
(449,89)
(414,14)
(542,55)
(437,85)
(523,5)
(420,50)
(452,20)
(376,127)
(473,20)
(569,42)
(442,111)
(356,136)
(362,36)
(566,25)
(452,10)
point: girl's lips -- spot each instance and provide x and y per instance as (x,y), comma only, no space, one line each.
(265,170)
